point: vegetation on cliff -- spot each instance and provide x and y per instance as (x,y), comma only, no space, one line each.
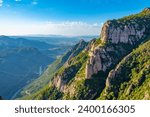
(131,78)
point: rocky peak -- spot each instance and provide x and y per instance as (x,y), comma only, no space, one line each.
(122,33)
(146,10)
(82,41)
(129,29)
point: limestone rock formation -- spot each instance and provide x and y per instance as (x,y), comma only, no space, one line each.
(128,31)
(103,58)
(119,32)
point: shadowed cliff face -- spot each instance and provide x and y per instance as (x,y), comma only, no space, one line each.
(130,78)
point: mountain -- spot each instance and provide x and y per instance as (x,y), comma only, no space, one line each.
(47,76)
(52,50)
(60,40)
(22,61)
(9,42)
(94,73)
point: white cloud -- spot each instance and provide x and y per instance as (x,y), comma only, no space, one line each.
(74,28)
(62,28)
(1,3)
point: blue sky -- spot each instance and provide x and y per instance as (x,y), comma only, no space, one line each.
(63,17)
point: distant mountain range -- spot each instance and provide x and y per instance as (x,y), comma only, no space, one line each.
(21,42)
(113,66)
(23,60)
(58,40)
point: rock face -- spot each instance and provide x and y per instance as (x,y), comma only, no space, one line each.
(96,63)
(147,10)
(59,82)
(122,33)
(103,58)
(61,79)
(127,31)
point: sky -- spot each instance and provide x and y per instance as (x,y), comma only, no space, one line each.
(63,17)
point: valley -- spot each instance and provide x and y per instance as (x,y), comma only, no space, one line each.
(24,60)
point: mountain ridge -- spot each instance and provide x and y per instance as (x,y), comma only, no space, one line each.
(47,76)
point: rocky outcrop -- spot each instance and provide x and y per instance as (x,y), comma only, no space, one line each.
(123,33)
(103,58)
(96,63)
(146,10)
(59,82)
(128,31)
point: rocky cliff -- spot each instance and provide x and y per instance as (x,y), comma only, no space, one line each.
(118,32)
(104,58)
(126,31)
